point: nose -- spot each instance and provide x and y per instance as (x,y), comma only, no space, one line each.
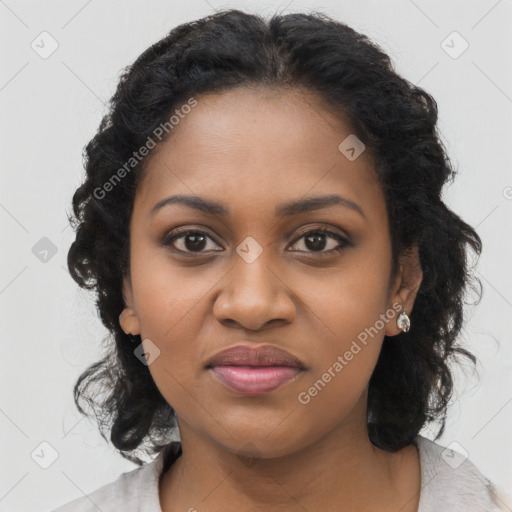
(253,295)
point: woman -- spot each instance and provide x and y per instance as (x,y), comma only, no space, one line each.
(262,223)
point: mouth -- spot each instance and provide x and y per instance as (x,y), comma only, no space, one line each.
(254,380)
(249,370)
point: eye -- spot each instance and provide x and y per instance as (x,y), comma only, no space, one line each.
(316,240)
(196,241)
(189,241)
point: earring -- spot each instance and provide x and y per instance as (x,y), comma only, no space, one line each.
(403,321)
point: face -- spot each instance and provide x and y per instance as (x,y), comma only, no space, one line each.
(250,271)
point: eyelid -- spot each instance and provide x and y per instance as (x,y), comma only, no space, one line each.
(321,229)
(177,233)
(342,240)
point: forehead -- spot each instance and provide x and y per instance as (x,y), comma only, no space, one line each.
(257,144)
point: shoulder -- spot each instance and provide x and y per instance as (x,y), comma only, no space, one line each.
(121,494)
(131,491)
(451,482)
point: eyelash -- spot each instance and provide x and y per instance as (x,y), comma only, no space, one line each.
(170,238)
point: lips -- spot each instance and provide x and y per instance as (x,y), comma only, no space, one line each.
(244,355)
(254,371)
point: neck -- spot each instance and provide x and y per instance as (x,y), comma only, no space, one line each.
(341,471)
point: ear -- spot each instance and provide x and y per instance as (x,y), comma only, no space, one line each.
(406,287)
(128,318)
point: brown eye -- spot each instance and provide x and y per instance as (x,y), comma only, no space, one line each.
(317,240)
(190,241)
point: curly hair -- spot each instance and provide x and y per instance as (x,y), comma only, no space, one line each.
(397,121)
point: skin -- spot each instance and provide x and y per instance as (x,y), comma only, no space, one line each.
(252,150)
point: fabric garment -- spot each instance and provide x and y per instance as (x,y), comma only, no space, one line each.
(449,483)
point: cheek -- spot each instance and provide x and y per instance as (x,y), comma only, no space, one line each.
(171,307)
(348,327)
(168,296)
(174,325)
(344,358)
(347,305)
(335,316)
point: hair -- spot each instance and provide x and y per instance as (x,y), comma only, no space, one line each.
(412,382)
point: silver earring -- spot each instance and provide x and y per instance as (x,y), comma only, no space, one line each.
(403,321)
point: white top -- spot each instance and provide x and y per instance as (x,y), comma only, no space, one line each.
(449,483)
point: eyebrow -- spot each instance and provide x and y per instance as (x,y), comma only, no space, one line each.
(283,210)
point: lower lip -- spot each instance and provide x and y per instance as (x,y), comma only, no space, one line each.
(254,380)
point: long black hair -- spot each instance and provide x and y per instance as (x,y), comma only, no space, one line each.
(396,120)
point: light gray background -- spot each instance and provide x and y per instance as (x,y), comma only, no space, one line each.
(51,107)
